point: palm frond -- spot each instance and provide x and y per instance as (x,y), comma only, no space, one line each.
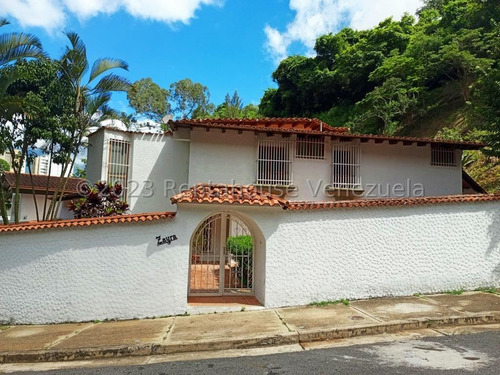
(15,46)
(74,62)
(112,82)
(4,21)
(102,65)
(10,105)
(95,103)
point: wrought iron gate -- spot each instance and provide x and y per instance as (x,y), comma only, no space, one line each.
(222,257)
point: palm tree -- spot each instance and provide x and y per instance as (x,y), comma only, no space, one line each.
(14,46)
(91,98)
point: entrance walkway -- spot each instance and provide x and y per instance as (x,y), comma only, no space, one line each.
(205,305)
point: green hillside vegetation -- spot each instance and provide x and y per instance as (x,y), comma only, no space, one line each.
(435,74)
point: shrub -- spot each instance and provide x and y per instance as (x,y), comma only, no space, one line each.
(99,200)
(4,166)
(240,245)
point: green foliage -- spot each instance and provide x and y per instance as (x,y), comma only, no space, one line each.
(232,107)
(189,97)
(240,245)
(149,99)
(491,290)
(343,301)
(4,166)
(400,75)
(455,292)
(81,172)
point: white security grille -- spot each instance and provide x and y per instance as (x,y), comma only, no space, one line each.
(310,147)
(274,162)
(118,162)
(443,156)
(346,165)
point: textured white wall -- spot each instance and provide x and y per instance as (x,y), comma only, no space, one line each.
(154,158)
(157,160)
(361,253)
(98,272)
(384,164)
(118,271)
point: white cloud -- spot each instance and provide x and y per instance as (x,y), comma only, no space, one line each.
(52,14)
(317,17)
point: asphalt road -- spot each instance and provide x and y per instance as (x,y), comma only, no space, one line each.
(461,354)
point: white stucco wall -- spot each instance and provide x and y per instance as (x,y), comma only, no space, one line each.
(97,272)
(155,161)
(384,165)
(118,271)
(361,253)
(159,169)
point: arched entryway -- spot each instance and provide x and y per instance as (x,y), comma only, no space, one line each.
(222,257)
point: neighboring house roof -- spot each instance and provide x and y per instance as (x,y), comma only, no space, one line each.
(250,195)
(136,218)
(231,194)
(40,183)
(469,184)
(310,126)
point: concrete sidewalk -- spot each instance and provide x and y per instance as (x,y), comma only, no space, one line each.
(246,329)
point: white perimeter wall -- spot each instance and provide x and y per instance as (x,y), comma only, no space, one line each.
(361,253)
(97,272)
(118,271)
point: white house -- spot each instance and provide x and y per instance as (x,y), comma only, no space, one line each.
(32,192)
(282,211)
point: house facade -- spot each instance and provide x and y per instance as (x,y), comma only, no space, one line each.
(283,211)
(297,159)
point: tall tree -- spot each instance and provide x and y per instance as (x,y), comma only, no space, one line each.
(189,97)
(148,99)
(90,98)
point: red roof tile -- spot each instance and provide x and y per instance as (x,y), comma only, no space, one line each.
(390,202)
(281,125)
(309,126)
(232,194)
(35,225)
(40,183)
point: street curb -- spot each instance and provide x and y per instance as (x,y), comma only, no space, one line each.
(54,355)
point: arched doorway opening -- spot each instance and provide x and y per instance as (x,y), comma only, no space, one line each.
(222,257)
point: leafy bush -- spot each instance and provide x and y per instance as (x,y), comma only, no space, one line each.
(240,245)
(99,200)
(4,166)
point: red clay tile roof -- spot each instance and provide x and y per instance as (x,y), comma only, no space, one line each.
(232,194)
(310,126)
(391,202)
(248,194)
(268,124)
(34,225)
(40,183)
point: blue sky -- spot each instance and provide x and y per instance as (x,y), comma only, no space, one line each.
(226,45)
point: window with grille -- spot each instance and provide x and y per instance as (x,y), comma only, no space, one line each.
(118,161)
(274,162)
(310,147)
(346,165)
(442,156)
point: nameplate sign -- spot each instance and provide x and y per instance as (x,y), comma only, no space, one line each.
(165,240)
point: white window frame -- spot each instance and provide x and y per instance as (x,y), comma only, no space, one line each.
(443,156)
(310,147)
(119,168)
(346,169)
(274,162)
